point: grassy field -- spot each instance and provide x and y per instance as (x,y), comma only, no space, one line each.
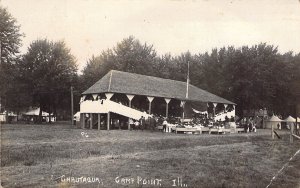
(47,155)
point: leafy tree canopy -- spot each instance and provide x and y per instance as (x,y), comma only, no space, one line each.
(254,77)
(10,41)
(47,72)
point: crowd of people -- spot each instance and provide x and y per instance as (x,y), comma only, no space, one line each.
(152,123)
(143,123)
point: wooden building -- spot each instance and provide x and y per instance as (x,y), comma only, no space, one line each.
(124,95)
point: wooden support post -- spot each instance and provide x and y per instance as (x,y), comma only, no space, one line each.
(149,107)
(108,121)
(272,128)
(130,97)
(91,120)
(150,99)
(225,106)
(291,134)
(183,103)
(167,106)
(129,118)
(83,120)
(167,110)
(215,105)
(99,121)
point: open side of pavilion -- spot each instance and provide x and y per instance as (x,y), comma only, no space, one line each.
(126,95)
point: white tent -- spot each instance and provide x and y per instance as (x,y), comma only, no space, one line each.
(36,112)
(12,116)
(290,119)
(273,121)
(77,116)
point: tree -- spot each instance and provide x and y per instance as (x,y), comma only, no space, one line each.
(10,41)
(96,68)
(47,71)
(129,55)
(132,56)
(10,36)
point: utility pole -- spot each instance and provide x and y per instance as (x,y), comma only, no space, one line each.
(187,90)
(72,112)
(0,52)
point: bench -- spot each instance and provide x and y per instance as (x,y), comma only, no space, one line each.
(185,130)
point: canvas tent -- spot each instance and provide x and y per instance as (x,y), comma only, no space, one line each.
(34,113)
(273,121)
(290,121)
(77,116)
(10,115)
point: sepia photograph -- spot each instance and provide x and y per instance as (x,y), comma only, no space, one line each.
(162,93)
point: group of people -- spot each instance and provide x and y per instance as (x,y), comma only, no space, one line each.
(142,123)
(249,126)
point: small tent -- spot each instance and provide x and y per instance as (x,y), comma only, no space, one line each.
(12,117)
(290,121)
(77,117)
(34,113)
(275,122)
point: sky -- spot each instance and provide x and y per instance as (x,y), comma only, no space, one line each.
(172,26)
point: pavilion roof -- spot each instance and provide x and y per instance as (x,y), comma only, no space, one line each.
(137,84)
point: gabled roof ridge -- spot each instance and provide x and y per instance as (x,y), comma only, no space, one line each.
(151,76)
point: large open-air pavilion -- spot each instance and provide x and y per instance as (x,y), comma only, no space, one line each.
(119,96)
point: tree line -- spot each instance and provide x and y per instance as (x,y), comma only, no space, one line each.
(254,77)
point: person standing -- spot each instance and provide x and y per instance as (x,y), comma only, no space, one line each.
(246,127)
(165,122)
(142,122)
(152,123)
(136,125)
(250,125)
(131,124)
